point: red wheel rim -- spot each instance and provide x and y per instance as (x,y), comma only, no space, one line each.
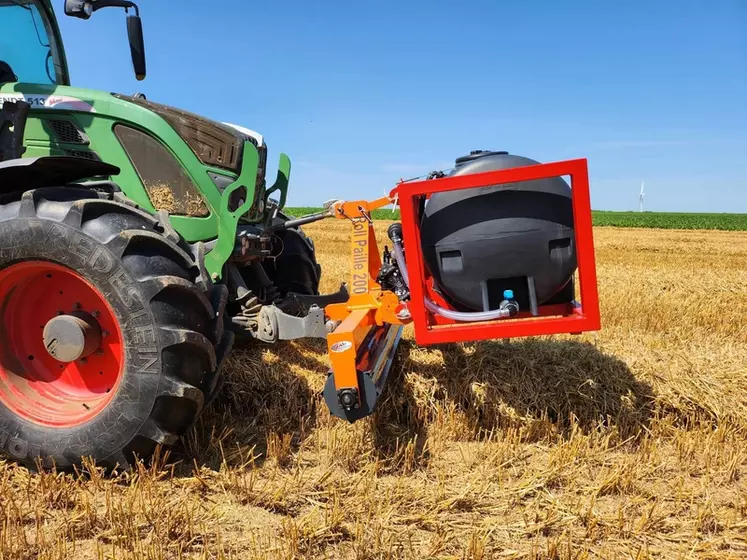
(35,385)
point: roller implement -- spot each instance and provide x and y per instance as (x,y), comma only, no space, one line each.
(138,241)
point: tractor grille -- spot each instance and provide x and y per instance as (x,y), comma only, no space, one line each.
(93,156)
(262,165)
(66,132)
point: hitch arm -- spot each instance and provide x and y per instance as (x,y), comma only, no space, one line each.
(302,221)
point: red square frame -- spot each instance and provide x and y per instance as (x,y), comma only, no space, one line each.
(574,318)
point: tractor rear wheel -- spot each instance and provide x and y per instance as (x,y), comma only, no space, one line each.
(111,332)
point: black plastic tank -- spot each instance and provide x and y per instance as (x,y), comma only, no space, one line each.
(480,242)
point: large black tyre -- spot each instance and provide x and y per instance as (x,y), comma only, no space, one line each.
(296,268)
(169,312)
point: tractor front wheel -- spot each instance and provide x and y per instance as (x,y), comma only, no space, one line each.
(111,334)
(296,268)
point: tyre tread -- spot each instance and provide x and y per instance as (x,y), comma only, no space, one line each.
(96,215)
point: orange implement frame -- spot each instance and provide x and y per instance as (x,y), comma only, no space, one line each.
(369,326)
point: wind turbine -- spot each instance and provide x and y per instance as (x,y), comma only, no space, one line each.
(640,198)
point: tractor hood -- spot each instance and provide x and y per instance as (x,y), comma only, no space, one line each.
(215,144)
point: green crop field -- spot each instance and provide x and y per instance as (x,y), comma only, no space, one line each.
(672,220)
(660,220)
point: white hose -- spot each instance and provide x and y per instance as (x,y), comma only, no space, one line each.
(467,316)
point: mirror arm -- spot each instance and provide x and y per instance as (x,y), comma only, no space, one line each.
(115,4)
(84,8)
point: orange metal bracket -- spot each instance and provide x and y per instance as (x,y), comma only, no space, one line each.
(368,308)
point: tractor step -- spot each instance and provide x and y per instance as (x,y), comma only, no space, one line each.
(13,116)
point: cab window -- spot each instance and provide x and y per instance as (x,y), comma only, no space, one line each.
(28,50)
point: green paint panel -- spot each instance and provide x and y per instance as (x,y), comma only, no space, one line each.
(281,182)
(229,220)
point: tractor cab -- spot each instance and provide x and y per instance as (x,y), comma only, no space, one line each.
(31,49)
(30,46)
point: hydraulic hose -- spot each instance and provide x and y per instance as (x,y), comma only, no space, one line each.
(395,234)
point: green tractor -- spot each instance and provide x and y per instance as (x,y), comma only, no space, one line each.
(137,241)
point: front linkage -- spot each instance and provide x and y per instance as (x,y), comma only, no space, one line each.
(362,326)
(259,310)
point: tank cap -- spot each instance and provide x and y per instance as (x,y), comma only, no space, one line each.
(508,294)
(477,154)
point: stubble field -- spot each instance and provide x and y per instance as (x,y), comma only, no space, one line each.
(626,443)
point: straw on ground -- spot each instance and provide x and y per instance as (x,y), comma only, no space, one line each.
(630,442)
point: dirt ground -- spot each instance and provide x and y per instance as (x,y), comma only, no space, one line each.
(626,443)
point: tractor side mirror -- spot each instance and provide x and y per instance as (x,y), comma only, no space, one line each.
(83,9)
(137,45)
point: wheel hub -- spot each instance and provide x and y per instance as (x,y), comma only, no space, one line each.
(68,338)
(61,346)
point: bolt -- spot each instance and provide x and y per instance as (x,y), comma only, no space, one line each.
(104,334)
(96,313)
(348,398)
(215,275)
(99,352)
(83,360)
(77,305)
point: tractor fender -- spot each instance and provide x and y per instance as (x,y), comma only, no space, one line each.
(47,171)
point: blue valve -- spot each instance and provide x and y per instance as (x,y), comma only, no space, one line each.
(508,304)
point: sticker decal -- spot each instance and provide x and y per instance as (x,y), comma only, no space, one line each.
(341,346)
(38,101)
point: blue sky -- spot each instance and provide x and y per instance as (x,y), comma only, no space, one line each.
(360,93)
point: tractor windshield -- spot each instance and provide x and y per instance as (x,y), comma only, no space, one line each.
(28,50)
